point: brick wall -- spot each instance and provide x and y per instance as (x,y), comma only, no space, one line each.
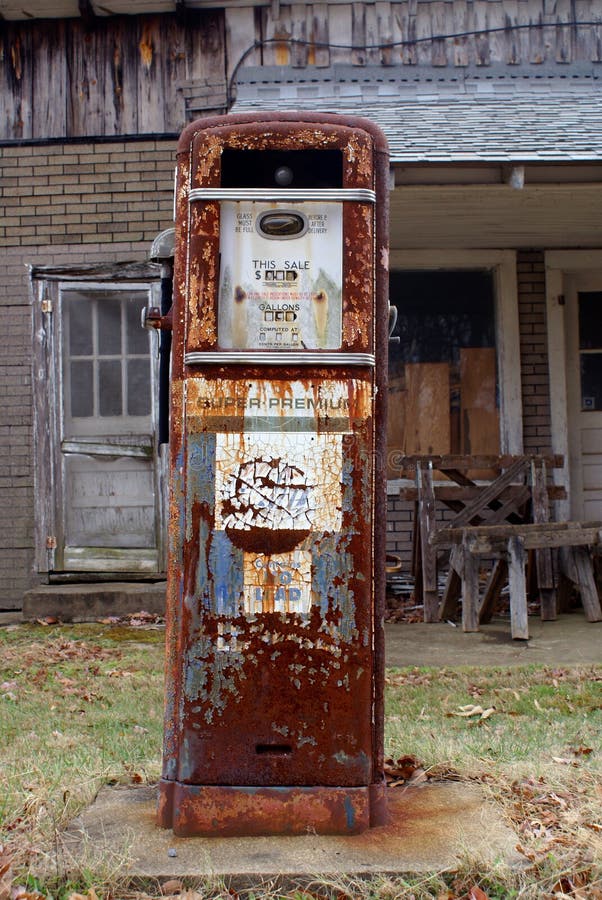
(533,351)
(61,204)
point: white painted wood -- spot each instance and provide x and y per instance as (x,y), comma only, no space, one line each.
(584,426)
(503,263)
(103,560)
(561,265)
(557,373)
(550,216)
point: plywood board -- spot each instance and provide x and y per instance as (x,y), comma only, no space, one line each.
(479,429)
(397,399)
(427,428)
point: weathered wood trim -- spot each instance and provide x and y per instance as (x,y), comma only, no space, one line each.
(240,31)
(124,75)
(43,403)
(90,448)
(508,332)
(16,82)
(49,81)
(104,559)
(503,263)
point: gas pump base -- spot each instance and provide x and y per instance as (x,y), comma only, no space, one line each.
(234,811)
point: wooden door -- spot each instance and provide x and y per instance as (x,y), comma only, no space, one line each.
(584,386)
(99,478)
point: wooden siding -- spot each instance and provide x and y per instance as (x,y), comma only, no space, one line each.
(127,75)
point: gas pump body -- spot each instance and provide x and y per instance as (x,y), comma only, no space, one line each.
(274,674)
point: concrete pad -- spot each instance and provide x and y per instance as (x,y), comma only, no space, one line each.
(569,641)
(433,826)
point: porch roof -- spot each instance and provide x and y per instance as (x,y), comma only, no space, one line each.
(506,114)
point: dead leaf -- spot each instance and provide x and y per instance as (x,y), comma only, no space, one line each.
(471,711)
(172,887)
(6,874)
(418,776)
(475,893)
(583,751)
(401,770)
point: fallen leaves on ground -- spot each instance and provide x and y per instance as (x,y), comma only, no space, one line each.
(52,652)
(474,712)
(141,619)
(406,770)
(414,677)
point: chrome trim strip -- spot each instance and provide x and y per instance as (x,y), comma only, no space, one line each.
(270,195)
(279,358)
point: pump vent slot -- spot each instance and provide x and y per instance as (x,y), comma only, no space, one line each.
(273,749)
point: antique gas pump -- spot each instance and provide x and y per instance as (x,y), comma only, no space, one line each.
(274,714)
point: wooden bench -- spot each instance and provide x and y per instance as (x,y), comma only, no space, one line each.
(510,544)
(478,490)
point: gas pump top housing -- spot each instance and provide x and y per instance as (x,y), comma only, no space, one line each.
(274,678)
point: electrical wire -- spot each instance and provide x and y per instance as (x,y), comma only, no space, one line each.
(390,45)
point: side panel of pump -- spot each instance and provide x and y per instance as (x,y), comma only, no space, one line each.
(276,571)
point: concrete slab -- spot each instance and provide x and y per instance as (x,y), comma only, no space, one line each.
(89,602)
(433,826)
(571,640)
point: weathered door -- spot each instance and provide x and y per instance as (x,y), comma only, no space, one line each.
(584,387)
(103,508)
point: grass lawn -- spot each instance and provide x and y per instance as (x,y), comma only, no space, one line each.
(81,706)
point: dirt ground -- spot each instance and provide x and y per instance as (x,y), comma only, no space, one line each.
(571,640)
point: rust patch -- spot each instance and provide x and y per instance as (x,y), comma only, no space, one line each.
(146,47)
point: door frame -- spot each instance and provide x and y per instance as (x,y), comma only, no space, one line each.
(561,265)
(502,263)
(46,284)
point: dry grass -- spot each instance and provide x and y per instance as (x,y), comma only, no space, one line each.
(81,706)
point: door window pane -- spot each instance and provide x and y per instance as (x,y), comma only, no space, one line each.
(590,347)
(80,329)
(591,381)
(136,336)
(138,393)
(109,387)
(109,326)
(590,320)
(82,388)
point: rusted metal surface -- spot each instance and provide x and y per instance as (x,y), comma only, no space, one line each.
(276,566)
(268,810)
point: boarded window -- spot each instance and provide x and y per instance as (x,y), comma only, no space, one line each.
(443,394)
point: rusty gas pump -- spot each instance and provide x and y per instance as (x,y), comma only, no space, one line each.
(274,707)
